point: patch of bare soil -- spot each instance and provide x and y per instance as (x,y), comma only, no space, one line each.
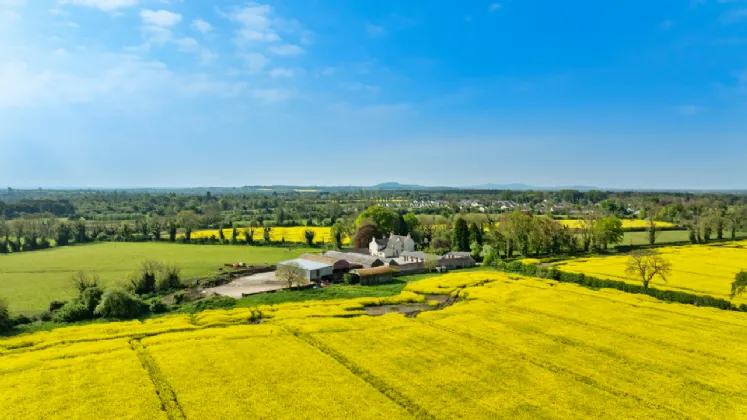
(412,310)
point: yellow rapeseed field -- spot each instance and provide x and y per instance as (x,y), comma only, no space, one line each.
(513,347)
(626,224)
(294,234)
(698,269)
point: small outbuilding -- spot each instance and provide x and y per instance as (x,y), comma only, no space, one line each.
(313,270)
(376,275)
(366,261)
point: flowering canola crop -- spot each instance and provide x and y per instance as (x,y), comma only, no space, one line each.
(512,347)
(294,234)
(698,269)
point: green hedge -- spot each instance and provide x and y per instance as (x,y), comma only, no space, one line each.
(533,270)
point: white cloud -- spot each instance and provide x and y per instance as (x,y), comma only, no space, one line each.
(286,50)
(360,87)
(375,31)
(255,23)
(255,62)
(160,18)
(187,44)
(270,95)
(58,12)
(690,109)
(493,7)
(105,5)
(201,26)
(190,45)
(281,72)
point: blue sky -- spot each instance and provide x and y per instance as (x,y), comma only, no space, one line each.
(117,93)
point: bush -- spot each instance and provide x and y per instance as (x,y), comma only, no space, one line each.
(56,304)
(5,320)
(72,311)
(91,298)
(514,267)
(21,319)
(120,304)
(45,316)
(169,278)
(143,281)
(157,306)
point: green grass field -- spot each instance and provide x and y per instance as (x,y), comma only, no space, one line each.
(30,280)
(665,237)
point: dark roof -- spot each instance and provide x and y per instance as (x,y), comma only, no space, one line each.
(416,254)
(376,271)
(353,257)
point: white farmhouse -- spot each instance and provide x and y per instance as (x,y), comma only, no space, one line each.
(391,247)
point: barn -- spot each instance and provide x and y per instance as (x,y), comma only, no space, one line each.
(314,271)
(376,275)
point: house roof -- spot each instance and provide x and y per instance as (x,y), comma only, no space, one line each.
(458,254)
(306,264)
(376,271)
(353,257)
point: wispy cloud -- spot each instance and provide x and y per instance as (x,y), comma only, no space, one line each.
(162,18)
(105,5)
(255,62)
(375,31)
(494,7)
(286,50)
(271,95)
(201,26)
(281,72)
(255,23)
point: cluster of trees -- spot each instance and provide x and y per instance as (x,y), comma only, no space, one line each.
(705,219)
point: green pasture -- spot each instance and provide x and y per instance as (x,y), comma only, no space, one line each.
(30,280)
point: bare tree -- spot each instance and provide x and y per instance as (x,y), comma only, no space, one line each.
(291,274)
(647,264)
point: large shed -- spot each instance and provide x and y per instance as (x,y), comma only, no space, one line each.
(375,275)
(366,261)
(312,269)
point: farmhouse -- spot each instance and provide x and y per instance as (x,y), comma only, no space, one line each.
(313,270)
(376,275)
(391,247)
(366,261)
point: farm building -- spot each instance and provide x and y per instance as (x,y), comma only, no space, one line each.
(339,266)
(366,261)
(377,275)
(313,270)
(416,256)
(392,246)
(457,260)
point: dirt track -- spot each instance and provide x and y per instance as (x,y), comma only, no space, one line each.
(249,285)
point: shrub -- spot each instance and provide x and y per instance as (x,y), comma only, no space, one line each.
(45,316)
(21,319)
(56,304)
(212,302)
(91,298)
(120,304)
(514,267)
(143,281)
(169,278)
(157,306)
(82,281)
(72,311)
(5,320)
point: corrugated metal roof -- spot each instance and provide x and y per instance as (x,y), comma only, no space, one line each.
(320,258)
(353,257)
(306,264)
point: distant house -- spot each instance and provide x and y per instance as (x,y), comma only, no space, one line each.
(391,247)
(376,275)
(367,261)
(313,270)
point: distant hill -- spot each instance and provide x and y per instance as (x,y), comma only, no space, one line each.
(525,187)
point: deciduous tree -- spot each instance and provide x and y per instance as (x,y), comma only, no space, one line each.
(647,264)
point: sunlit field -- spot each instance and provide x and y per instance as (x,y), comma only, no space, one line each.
(698,269)
(295,234)
(514,347)
(30,280)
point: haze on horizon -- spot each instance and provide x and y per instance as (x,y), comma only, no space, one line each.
(154,93)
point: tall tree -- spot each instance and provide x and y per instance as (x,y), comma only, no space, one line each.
(365,234)
(735,218)
(384,219)
(460,236)
(189,221)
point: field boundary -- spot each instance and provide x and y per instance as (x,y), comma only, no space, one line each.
(167,396)
(378,384)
